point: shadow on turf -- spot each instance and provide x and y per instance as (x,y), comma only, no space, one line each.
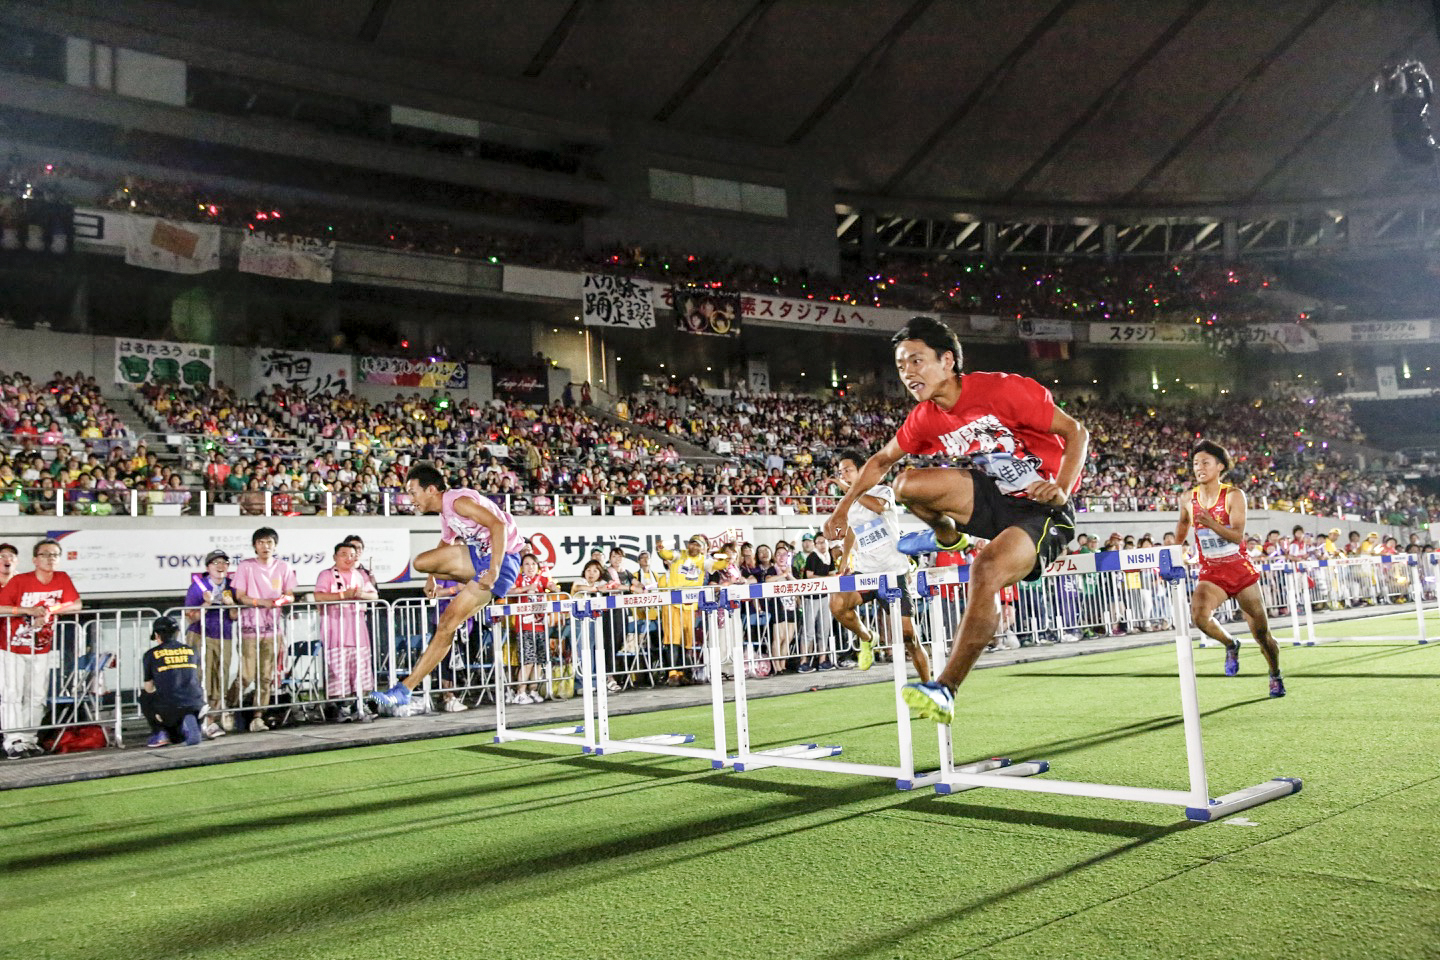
(505,879)
(171,835)
(887,942)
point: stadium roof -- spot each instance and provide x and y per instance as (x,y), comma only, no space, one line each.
(1018,103)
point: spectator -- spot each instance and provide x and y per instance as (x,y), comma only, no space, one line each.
(8,557)
(263,584)
(210,608)
(345,591)
(171,697)
(32,601)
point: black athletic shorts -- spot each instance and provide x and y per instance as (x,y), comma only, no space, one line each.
(1051,528)
(907,606)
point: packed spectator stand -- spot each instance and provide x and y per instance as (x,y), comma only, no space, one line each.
(283,452)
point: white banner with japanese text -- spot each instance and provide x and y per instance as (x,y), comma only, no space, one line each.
(311,372)
(154,560)
(1374,331)
(565,554)
(1059,331)
(288,257)
(608,301)
(1146,334)
(164,361)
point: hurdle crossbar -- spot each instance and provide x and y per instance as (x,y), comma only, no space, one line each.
(581,735)
(817,756)
(663,744)
(1196,801)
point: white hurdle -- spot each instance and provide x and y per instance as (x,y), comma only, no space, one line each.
(1196,801)
(817,756)
(588,612)
(581,735)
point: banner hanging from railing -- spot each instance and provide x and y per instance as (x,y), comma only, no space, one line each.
(706,311)
(167,245)
(609,301)
(400,372)
(288,257)
(311,372)
(164,361)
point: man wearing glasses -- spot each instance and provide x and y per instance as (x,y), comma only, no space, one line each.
(30,602)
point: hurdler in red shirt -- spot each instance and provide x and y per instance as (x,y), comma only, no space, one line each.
(1026,456)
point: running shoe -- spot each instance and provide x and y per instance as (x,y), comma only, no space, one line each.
(931,699)
(924,541)
(825,665)
(1277,686)
(867,656)
(387,702)
(1232,660)
(158,739)
(806,668)
(455,705)
(191,728)
(212,730)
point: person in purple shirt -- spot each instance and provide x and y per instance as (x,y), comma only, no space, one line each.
(211,610)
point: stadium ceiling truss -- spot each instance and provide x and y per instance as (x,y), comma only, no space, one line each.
(1298,235)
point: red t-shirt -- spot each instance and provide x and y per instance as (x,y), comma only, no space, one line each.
(25,590)
(1001,422)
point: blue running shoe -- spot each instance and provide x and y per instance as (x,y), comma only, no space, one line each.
(158,739)
(917,543)
(388,702)
(1277,686)
(806,668)
(191,728)
(1232,660)
(925,541)
(931,699)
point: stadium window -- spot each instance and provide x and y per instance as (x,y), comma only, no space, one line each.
(671,186)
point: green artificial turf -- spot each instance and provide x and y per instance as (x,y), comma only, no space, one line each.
(461,848)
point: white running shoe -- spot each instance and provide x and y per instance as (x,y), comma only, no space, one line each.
(455,705)
(212,730)
(258,726)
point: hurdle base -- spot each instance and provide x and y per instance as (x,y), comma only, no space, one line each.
(924,779)
(799,751)
(996,766)
(1222,807)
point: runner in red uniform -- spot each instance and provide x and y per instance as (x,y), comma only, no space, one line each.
(1217,511)
(1025,455)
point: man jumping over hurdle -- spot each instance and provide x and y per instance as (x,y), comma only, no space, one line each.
(1026,456)
(872,546)
(480,548)
(1217,511)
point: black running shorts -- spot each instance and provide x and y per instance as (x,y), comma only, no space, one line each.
(1050,528)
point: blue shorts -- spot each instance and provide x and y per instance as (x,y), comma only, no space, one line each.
(504,577)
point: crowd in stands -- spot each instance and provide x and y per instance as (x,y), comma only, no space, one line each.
(284,452)
(1085,288)
(62,438)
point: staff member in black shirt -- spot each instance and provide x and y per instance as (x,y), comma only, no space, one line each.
(172,697)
